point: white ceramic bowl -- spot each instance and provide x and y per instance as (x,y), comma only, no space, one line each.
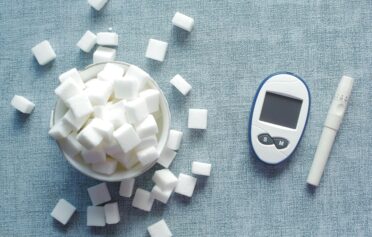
(163,122)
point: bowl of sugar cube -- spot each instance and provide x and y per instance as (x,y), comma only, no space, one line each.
(111,120)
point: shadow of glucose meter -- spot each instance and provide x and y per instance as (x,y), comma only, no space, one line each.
(278,116)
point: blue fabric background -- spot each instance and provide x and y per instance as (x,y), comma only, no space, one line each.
(234,46)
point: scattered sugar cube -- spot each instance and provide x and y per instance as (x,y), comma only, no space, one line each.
(63,211)
(182,21)
(138,74)
(181,84)
(104,54)
(147,155)
(152,98)
(60,130)
(147,127)
(198,118)
(164,179)
(99,194)
(68,89)
(97,4)
(186,185)
(200,168)
(80,105)
(159,229)
(96,216)
(22,104)
(160,194)
(143,200)
(89,137)
(166,157)
(107,38)
(147,142)
(126,187)
(112,213)
(70,145)
(156,50)
(127,137)
(74,74)
(43,52)
(93,156)
(126,88)
(87,41)
(174,139)
(106,167)
(76,123)
(136,110)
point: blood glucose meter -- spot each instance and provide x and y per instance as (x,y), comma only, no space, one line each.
(278,116)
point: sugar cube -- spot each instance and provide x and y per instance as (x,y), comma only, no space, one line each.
(126,88)
(22,104)
(43,52)
(96,216)
(87,41)
(114,113)
(136,110)
(104,54)
(70,145)
(182,21)
(186,185)
(106,167)
(93,156)
(89,137)
(159,229)
(181,84)
(112,213)
(143,200)
(147,142)
(99,194)
(74,74)
(147,155)
(127,137)
(76,123)
(147,127)
(97,4)
(126,187)
(113,148)
(68,89)
(104,128)
(156,50)
(152,98)
(111,71)
(128,160)
(63,211)
(166,157)
(136,73)
(80,105)
(107,38)
(60,130)
(198,118)
(164,179)
(99,92)
(160,194)
(200,168)
(174,139)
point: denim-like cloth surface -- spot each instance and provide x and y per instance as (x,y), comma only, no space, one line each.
(235,44)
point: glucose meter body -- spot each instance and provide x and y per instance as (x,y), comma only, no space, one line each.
(278,116)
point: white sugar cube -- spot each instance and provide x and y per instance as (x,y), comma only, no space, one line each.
(159,229)
(99,194)
(111,71)
(127,137)
(112,213)
(99,92)
(182,21)
(166,157)
(147,155)
(104,128)
(87,41)
(104,54)
(70,145)
(89,137)
(96,216)
(152,98)
(147,127)
(112,148)
(164,179)
(136,73)
(156,50)
(43,52)
(80,105)
(113,113)
(200,168)
(160,194)
(198,118)
(22,104)
(76,123)
(143,200)
(147,142)
(63,211)
(74,74)
(181,84)
(126,88)
(107,38)
(128,160)
(174,139)
(136,110)
(126,187)
(60,130)
(186,185)
(93,156)
(106,167)
(97,4)
(68,89)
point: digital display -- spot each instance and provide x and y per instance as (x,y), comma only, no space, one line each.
(280,110)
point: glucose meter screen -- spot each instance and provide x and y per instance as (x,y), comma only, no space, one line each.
(280,110)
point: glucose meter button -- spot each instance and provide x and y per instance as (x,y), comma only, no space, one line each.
(280,143)
(265,139)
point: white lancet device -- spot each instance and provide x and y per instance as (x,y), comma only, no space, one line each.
(278,116)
